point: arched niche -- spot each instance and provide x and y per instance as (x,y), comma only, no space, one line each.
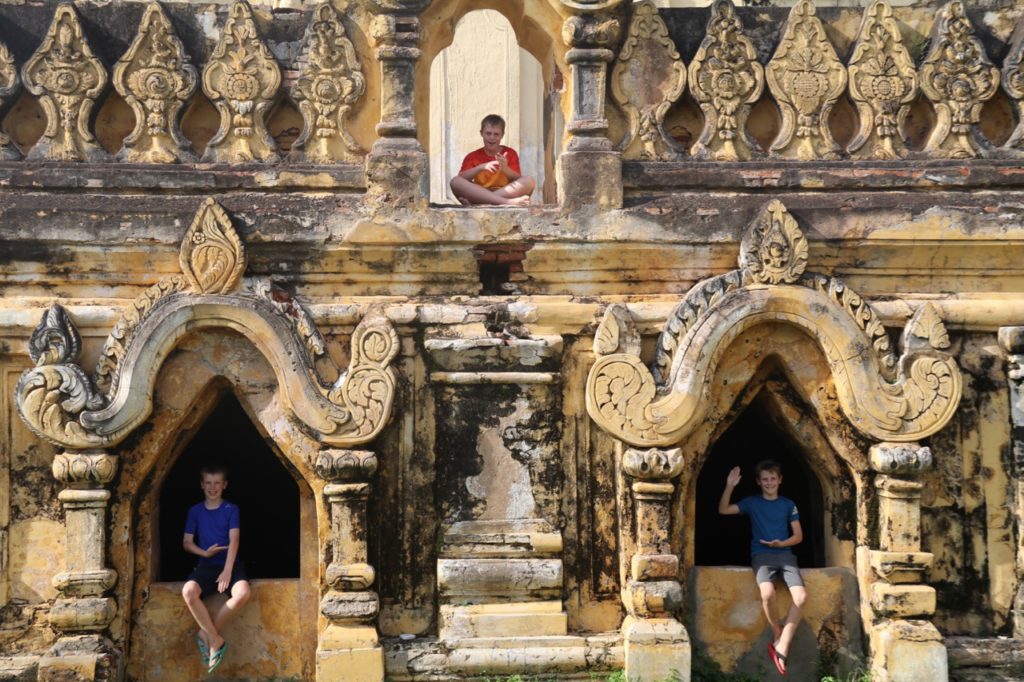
(536,27)
(281,623)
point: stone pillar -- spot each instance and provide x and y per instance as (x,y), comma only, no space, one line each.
(1012,341)
(397,168)
(590,169)
(83,611)
(348,647)
(905,645)
(657,646)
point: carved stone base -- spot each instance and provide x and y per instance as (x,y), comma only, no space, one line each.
(398,172)
(590,178)
(81,658)
(907,651)
(349,652)
(656,649)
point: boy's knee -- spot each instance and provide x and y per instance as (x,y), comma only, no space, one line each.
(241,592)
(799,597)
(191,592)
(767,591)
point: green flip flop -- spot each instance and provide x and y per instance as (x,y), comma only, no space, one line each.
(204,649)
(216,657)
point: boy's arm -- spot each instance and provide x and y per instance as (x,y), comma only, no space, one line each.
(189,543)
(731,481)
(224,579)
(795,539)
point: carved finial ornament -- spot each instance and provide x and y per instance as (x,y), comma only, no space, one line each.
(883,83)
(329,84)
(1013,84)
(806,78)
(647,79)
(774,250)
(67,78)
(726,80)
(886,397)
(241,79)
(212,256)
(958,78)
(156,77)
(9,83)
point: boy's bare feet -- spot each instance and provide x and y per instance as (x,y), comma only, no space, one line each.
(519,201)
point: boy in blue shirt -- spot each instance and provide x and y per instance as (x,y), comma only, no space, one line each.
(214,524)
(775,523)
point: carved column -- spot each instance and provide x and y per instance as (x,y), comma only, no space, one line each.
(905,645)
(396,167)
(590,170)
(349,648)
(1012,341)
(657,646)
(83,612)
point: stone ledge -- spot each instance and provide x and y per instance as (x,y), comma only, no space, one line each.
(985,652)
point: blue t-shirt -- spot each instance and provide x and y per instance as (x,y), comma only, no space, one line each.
(769,520)
(210,527)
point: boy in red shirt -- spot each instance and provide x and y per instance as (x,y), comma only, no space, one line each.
(491,175)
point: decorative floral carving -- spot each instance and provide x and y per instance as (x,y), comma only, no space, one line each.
(883,83)
(85,468)
(345,465)
(9,83)
(53,394)
(241,79)
(1013,84)
(806,78)
(616,333)
(774,250)
(725,79)
(367,388)
(329,83)
(653,464)
(591,31)
(901,458)
(67,78)
(886,397)
(647,79)
(156,78)
(958,78)
(212,256)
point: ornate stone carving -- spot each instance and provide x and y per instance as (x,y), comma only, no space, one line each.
(806,78)
(88,468)
(67,78)
(9,83)
(591,31)
(774,250)
(329,84)
(212,256)
(887,398)
(958,78)
(241,79)
(883,83)
(726,80)
(345,465)
(647,79)
(1013,84)
(616,333)
(156,78)
(653,464)
(900,458)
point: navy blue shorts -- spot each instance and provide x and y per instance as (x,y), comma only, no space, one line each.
(206,576)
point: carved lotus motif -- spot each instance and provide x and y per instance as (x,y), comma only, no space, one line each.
(212,255)
(774,249)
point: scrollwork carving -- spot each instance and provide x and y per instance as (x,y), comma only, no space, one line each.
(156,78)
(647,79)
(806,78)
(367,388)
(1013,84)
(888,398)
(883,83)
(958,78)
(9,83)
(67,78)
(653,464)
(241,79)
(726,80)
(212,256)
(329,84)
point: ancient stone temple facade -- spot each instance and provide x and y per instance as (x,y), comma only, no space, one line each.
(472,442)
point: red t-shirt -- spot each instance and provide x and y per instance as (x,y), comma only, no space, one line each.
(488,179)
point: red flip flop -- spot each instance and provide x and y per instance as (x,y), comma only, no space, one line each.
(778,659)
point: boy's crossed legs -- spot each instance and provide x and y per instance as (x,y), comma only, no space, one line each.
(210,628)
(782,633)
(516,192)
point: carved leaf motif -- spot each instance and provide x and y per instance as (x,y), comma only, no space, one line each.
(212,255)
(241,79)
(883,83)
(1013,84)
(774,250)
(806,78)
(67,78)
(367,388)
(329,84)
(958,78)
(725,79)
(647,79)
(606,340)
(156,78)
(621,388)
(927,326)
(9,83)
